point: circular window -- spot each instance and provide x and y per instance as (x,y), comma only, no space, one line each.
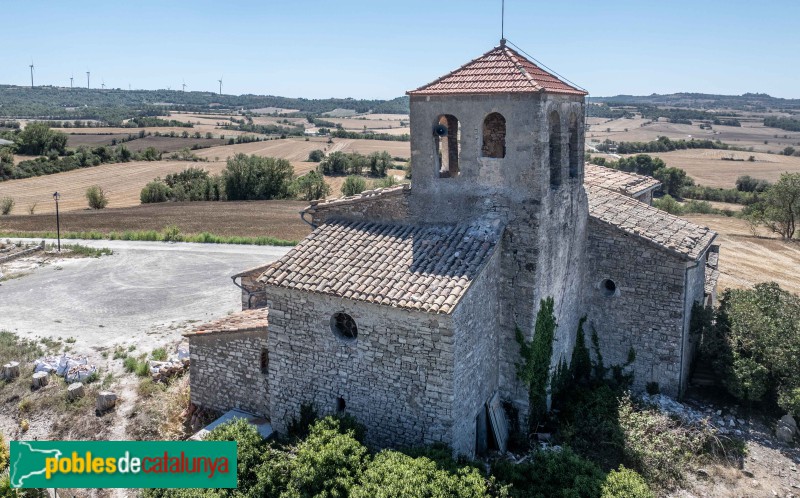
(609,287)
(344,326)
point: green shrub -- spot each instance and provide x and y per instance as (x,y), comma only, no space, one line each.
(4,454)
(155,191)
(353,185)
(534,367)
(316,156)
(159,354)
(625,483)
(327,462)
(551,474)
(657,446)
(387,181)
(392,474)
(171,233)
(96,197)
(669,204)
(310,186)
(249,448)
(257,178)
(6,205)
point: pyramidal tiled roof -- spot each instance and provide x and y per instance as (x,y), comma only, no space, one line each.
(500,70)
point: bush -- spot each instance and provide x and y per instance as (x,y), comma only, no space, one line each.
(155,191)
(96,197)
(551,474)
(6,205)
(171,233)
(316,156)
(392,474)
(257,178)
(310,186)
(669,204)
(4,455)
(353,185)
(38,139)
(625,483)
(388,181)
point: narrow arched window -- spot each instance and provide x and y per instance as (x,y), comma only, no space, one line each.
(494,135)
(574,152)
(555,149)
(447,141)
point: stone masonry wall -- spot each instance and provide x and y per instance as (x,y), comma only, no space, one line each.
(390,204)
(476,321)
(646,312)
(695,293)
(252,291)
(226,372)
(396,378)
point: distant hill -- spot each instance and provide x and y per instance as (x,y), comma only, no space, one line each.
(746,102)
(114,104)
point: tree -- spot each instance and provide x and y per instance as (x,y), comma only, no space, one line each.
(780,209)
(310,186)
(379,162)
(353,185)
(38,139)
(96,197)
(316,156)
(155,191)
(672,180)
(257,178)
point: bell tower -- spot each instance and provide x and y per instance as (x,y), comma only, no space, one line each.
(501,137)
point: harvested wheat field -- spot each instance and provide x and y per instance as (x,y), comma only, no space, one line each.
(279,219)
(123,182)
(707,167)
(745,259)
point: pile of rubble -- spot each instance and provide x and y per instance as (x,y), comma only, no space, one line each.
(176,364)
(72,369)
(197,416)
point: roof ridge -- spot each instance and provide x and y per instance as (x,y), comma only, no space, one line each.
(514,56)
(459,68)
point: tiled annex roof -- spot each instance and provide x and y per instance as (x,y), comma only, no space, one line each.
(623,182)
(425,268)
(668,231)
(241,321)
(501,70)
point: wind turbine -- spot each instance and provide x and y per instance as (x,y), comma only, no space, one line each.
(184,85)
(70,81)
(220,85)
(87,79)
(31,66)
(103,84)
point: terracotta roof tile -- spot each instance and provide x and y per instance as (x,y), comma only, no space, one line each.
(623,182)
(501,70)
(241,321)
(407,266)
(675,234)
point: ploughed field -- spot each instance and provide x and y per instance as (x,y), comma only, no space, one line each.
(163,144)
(278,219)
(746,259)
(123,182)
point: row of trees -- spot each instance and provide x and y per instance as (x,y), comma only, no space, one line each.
(82,157)
(673,180)
(340,163)
(663,144)
(788,124)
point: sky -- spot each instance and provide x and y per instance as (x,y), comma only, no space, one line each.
(381,49)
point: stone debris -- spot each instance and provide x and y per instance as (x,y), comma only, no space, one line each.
(40,379)
(75,391)
(786,429)
(11,370)
(106,400)
(176,364)
(73,369)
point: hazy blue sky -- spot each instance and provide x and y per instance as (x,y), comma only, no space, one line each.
(380,49)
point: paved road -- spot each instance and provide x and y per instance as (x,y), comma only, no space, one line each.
(144,294)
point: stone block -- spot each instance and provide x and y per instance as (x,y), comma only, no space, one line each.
(40,379)
(106,400)
(75,391)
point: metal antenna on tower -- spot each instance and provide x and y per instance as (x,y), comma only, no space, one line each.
(502,21)
(31,66)
(87,80)
(220,85)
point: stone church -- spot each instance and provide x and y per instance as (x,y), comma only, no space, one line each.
(400,308)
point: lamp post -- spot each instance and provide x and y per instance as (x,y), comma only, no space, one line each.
(57,196)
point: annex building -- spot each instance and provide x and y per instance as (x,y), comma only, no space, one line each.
(400,308)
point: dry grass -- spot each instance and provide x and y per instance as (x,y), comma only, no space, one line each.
(745,260)
(279,219)
(160,411)
(123,182)
(707,167)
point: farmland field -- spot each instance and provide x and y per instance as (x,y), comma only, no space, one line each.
(163,144)
(123,182)
(745,259)
(279,219)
